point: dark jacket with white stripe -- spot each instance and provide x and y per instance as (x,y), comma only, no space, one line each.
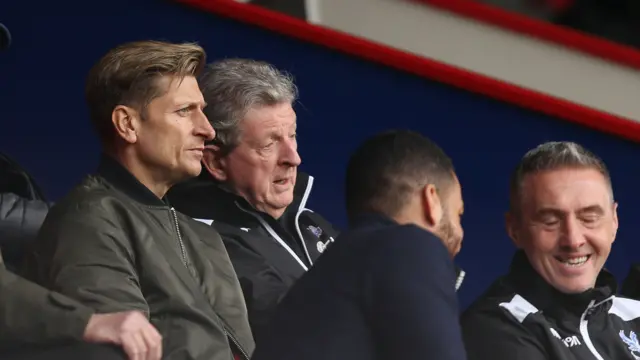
(268,255)
(522,317)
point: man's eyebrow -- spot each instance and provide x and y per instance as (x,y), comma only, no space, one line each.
(186,103)
(597,209)
(586,209)
(549,211)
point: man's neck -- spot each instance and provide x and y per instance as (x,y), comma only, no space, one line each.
(158,185)
(274,213)
(412,218)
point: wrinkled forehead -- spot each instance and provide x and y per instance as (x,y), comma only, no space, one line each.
(565,190)
(269,120)
(177,91)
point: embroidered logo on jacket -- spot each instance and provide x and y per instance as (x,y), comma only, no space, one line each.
(315,230)
(569,341)
(321,246)
(632,343)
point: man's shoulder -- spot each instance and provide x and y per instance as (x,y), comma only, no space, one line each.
(627,309)
(382,247)
(499,303)
(92,198)
(402,237)
(231,235)
(88,196)
(503,324)
(225,230)
(201,226)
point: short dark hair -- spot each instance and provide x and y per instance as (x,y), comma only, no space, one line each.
(387,168)
(128,75)
(554,155)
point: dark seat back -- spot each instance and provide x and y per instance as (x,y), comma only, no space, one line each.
(15,179)
(23,208)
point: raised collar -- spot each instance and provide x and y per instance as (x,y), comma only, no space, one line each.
(374,219)
(545,297)
(118,176)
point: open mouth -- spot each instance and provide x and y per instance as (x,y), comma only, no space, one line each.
(574,261)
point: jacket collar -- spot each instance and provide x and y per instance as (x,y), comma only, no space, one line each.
(118,176)
(371,218)
(545,297)
(377,219)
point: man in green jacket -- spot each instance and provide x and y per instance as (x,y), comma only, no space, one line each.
(36,323)
(40,324)
(113,243)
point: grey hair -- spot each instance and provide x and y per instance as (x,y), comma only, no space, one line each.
(552,156)
(232,87)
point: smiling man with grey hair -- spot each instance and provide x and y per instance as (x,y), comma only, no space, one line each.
(557,301)
(250,189)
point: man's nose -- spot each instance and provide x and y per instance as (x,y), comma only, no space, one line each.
(290,154)
(203,127)
(572,235)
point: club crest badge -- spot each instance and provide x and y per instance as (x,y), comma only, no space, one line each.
(315,230)
(632,343)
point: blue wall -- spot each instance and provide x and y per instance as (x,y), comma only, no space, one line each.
(343,100)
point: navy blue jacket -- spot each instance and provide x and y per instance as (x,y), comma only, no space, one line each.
(381,291)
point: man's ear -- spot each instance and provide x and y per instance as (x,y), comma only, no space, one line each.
(510,221)
(126,122)
(214,162)
(432,205)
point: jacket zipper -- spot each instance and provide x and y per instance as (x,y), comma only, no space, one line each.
(584,330)
(183,249)
(185,261)
(233,339)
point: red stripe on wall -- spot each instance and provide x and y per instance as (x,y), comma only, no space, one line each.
(522,24)
(422,66)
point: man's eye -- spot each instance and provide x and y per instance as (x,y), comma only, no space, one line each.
(184,111)
(590,219)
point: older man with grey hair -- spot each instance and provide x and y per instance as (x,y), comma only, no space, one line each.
(557,302)
(251,190)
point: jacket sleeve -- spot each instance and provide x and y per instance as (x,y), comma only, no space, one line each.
(86,254)
(412,302)
(34,315)
(496,335)
(262,286)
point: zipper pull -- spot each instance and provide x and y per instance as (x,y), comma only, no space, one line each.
(590,309)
